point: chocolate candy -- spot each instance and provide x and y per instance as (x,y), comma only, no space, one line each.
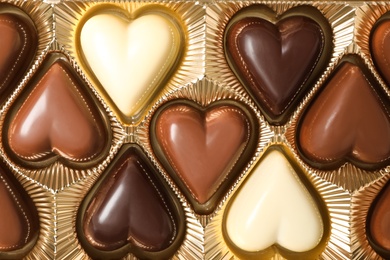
(298,222)
(19,221)
(18,42)
(203,147)
(379,41)
(347,122)
(145,51)
(130,209)
(194,129)
(56,119)
(378,223)
(275,62)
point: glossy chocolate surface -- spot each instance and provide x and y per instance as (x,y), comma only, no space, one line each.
(276,209)
(131,56)
(347,121)
(18,219)
(130,207)
(201,146)
(57,118)
(380,46)
(274,61)
(18,43)
(378,225)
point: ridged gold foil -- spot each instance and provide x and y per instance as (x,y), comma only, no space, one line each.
(361,202)
(190,18)
(203,92)
(203,76)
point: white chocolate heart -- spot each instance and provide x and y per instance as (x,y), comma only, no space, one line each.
(130,59)
(274,207)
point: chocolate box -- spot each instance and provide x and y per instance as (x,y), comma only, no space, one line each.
(194,130)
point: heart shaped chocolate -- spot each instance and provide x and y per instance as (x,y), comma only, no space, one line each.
(274,202)
(130,210)
(347,122)
(379,46)
(56,118)
(19,221)
(276,61)
(18,44)
(378,223)
(131,59)
(203,148)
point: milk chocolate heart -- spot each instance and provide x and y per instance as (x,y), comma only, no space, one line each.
(379,45)
(131,56)
(274,211)
(277,58)
(19,222)
(378,223)
(203,148)
(130,210)
(56,118)
(347,122)
(18,43)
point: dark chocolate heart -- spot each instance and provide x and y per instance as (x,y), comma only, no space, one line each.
(203,148)
(378,223)
(380,46)
(275,62)
(56,118)
(347,121)
(19,222)
(130,210)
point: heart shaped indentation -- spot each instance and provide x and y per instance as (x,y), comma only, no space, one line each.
(131,58)
(18,41)
(379,42)
(130,210)
(19,225)
(56,117)
(348,121)
(275,207)
(276,61)
(203,148)
(378,223)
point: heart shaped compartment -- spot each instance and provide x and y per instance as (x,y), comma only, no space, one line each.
(276,210)
(131,210)
(204,148)
(378,223)
(19,220)
(276,58)
(56,118)
(130,56)
(18,41)
(347,121)
(379,42)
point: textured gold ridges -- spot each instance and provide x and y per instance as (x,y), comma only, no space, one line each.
(190,19)
(56,176)
(203,92)
(352,26)
(337,238)
(46,207)
(204,77)
(367,16)
(340,16)
(362,200)
(42,198)
(69,199)
(345,21)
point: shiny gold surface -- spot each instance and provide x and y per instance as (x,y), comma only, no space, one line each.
(203,76)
